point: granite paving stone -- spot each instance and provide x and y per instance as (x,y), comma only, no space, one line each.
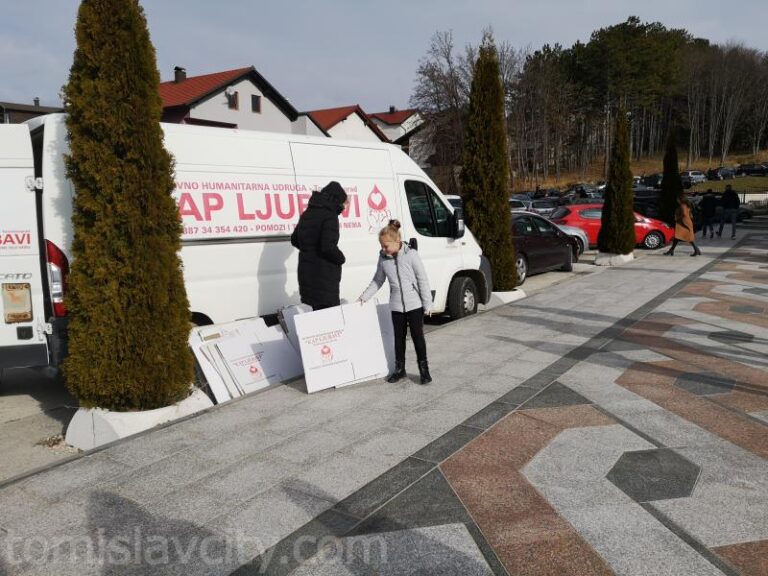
(338,475)
(389,444)
(429,551)
(656,474)
(553,396)
(447,444)
(383,488)
(489,415)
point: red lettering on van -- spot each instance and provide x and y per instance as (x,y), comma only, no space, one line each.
(187,207)
(291,206)
(242,214)
(352,208)
(266,214)
(15,239)
(212,202)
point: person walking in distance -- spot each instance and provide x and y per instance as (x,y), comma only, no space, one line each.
(683,227)
(317,238)
(731,203)
(409,297)
(708,210)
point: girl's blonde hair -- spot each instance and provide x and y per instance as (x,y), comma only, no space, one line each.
(391,232)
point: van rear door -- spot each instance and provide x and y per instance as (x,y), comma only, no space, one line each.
(22,314)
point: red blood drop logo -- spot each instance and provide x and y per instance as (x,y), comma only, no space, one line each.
(253,369)
(325,350)
(377,200)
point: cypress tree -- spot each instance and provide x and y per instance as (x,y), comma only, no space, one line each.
(617,230)
(485,174)
(671,184)
(129,314)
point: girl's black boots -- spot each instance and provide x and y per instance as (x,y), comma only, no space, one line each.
(399,372)
(424,371)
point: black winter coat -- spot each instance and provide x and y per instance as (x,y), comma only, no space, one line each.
(317,238)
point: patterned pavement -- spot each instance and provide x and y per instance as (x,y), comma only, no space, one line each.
(650,456)
(613,424)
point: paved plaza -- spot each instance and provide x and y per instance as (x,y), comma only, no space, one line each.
(616,423)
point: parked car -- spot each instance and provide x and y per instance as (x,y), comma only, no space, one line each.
(517,205)
(751,170)
(721,173)
(649,207)
(652,181)
(694,176)
(540,246)
(649,232)
(455,201)
(544,207)
(641,191)
(582,242)
(583,190)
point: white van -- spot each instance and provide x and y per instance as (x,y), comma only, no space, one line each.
(240,194)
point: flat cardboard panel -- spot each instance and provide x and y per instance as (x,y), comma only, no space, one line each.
(244,356)
(341,346)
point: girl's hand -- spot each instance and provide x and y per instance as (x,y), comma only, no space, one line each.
(428,313)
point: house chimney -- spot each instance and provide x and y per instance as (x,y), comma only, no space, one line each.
(391,109)
(37,102)
(179,74)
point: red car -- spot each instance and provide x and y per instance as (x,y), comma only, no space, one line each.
(649,232)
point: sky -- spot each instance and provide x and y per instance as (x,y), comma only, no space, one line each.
(327,53)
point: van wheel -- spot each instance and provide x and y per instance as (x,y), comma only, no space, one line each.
(462,297)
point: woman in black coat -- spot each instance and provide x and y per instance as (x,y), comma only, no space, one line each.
(317,238)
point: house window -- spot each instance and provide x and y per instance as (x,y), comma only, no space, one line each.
(234,101)
(256,103)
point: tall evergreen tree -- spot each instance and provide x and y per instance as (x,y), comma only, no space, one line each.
(129,314)
(617,231)
(671,184)
(485,174)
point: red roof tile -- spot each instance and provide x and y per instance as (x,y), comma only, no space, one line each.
(329,117)
(394,118)
(194,88)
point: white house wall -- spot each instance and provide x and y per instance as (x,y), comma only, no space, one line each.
(304,125)
(353,128)
(216,108)
(391,132)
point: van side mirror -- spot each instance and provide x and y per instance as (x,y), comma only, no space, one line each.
(413,244)
(458,223)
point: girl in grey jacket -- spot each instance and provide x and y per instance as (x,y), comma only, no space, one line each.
(409,297)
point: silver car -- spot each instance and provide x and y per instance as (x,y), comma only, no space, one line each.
(517,205)
(544,207)
(578,234)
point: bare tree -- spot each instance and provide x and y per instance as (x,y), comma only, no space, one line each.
(738,60)
(442,94)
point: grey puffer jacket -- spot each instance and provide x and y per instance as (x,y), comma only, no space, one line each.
(408,282)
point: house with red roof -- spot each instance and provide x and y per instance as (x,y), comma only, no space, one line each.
(398,125)
(239,98)
(406,128)
(349,123)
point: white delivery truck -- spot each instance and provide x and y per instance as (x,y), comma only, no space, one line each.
(240,194)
